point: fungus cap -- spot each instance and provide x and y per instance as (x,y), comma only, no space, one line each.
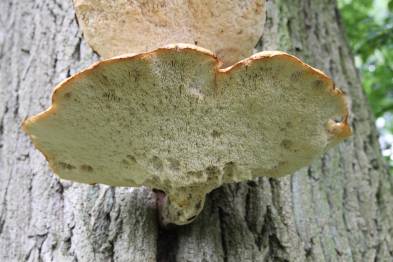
(229,28)
(170,119)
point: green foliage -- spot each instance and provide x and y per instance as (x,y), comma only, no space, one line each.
(369,27)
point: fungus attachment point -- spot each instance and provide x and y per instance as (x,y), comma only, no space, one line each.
(180,208)
(170,119)
(229,28)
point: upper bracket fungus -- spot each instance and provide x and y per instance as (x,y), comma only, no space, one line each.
(229,28)
(172,120)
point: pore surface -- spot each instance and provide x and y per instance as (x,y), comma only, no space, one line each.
(171,119)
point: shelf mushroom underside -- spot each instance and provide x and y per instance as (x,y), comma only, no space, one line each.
(171,120)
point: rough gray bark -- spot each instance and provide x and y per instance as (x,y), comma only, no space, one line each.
(338,209)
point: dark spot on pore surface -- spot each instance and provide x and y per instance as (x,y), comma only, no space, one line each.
(197,174)
(125,162)
(86,168)
(317,84)
(295,76)
(212,170)
(286,143)
(215,134)
(212,173)
(67,95)
(131,158)
(280,165)
(111,96)
(64,165)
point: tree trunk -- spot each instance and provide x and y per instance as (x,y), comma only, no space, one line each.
(337,209)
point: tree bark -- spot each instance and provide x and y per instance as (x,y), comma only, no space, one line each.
(337,209)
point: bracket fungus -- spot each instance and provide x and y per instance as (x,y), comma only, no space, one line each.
(229,28)
(172,120)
